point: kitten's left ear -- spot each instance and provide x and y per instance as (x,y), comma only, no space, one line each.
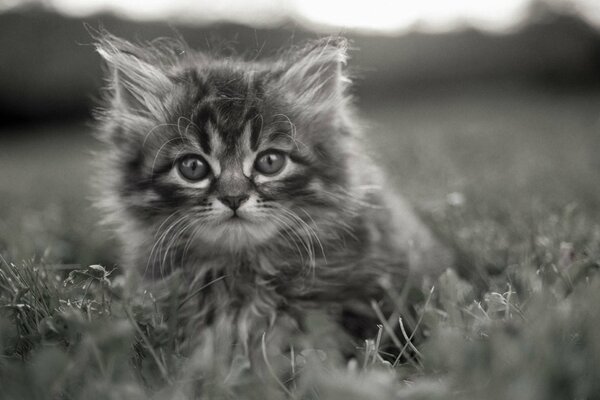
(316,73)
(138,82)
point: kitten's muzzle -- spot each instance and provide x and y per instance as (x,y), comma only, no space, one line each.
(234,202)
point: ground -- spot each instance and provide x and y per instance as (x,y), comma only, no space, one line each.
(505,174)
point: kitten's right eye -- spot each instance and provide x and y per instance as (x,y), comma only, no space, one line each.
(193,167)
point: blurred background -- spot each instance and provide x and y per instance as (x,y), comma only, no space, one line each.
(489,107)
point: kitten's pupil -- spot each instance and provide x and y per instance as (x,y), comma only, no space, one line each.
(270,163)
(193,167)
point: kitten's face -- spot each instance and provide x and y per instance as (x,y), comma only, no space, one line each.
(233,166)
(230,154)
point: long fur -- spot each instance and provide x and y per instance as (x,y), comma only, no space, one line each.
(327,234)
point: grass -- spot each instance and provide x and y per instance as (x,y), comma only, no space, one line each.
(507,175)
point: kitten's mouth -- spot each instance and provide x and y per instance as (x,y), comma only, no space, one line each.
(238,223)
(241,229)
(236,218)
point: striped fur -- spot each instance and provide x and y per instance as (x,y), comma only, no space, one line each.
(325,233)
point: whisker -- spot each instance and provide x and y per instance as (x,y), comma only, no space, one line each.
(165,221)
(189,242)
(161,148)
(174,243)
(305,240)
(293,131)
(306,227)
(159,243)
(152,130)
(287,235)
(316,236)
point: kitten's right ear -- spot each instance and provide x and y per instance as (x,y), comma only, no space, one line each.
(138,85)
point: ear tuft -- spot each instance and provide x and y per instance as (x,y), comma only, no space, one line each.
(331,48)
(138,79)
(316,72)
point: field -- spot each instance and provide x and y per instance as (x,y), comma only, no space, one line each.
(508,175)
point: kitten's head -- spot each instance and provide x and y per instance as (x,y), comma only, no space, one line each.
(231,153)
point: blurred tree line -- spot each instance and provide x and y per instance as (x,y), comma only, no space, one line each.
(49,70)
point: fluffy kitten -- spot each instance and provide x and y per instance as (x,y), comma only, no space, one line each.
(249,179)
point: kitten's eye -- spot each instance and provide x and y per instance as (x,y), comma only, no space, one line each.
(193,167)
(270,162)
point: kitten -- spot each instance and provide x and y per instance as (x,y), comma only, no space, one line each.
(249,179)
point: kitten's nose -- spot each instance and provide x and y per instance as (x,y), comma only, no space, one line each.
(233,202)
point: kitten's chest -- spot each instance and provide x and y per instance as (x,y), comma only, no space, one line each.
(251,266)
(255,286)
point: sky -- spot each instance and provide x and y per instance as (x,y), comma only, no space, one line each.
(367,16)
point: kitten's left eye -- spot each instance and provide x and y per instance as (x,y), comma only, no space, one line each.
(193,167)
(270,162)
